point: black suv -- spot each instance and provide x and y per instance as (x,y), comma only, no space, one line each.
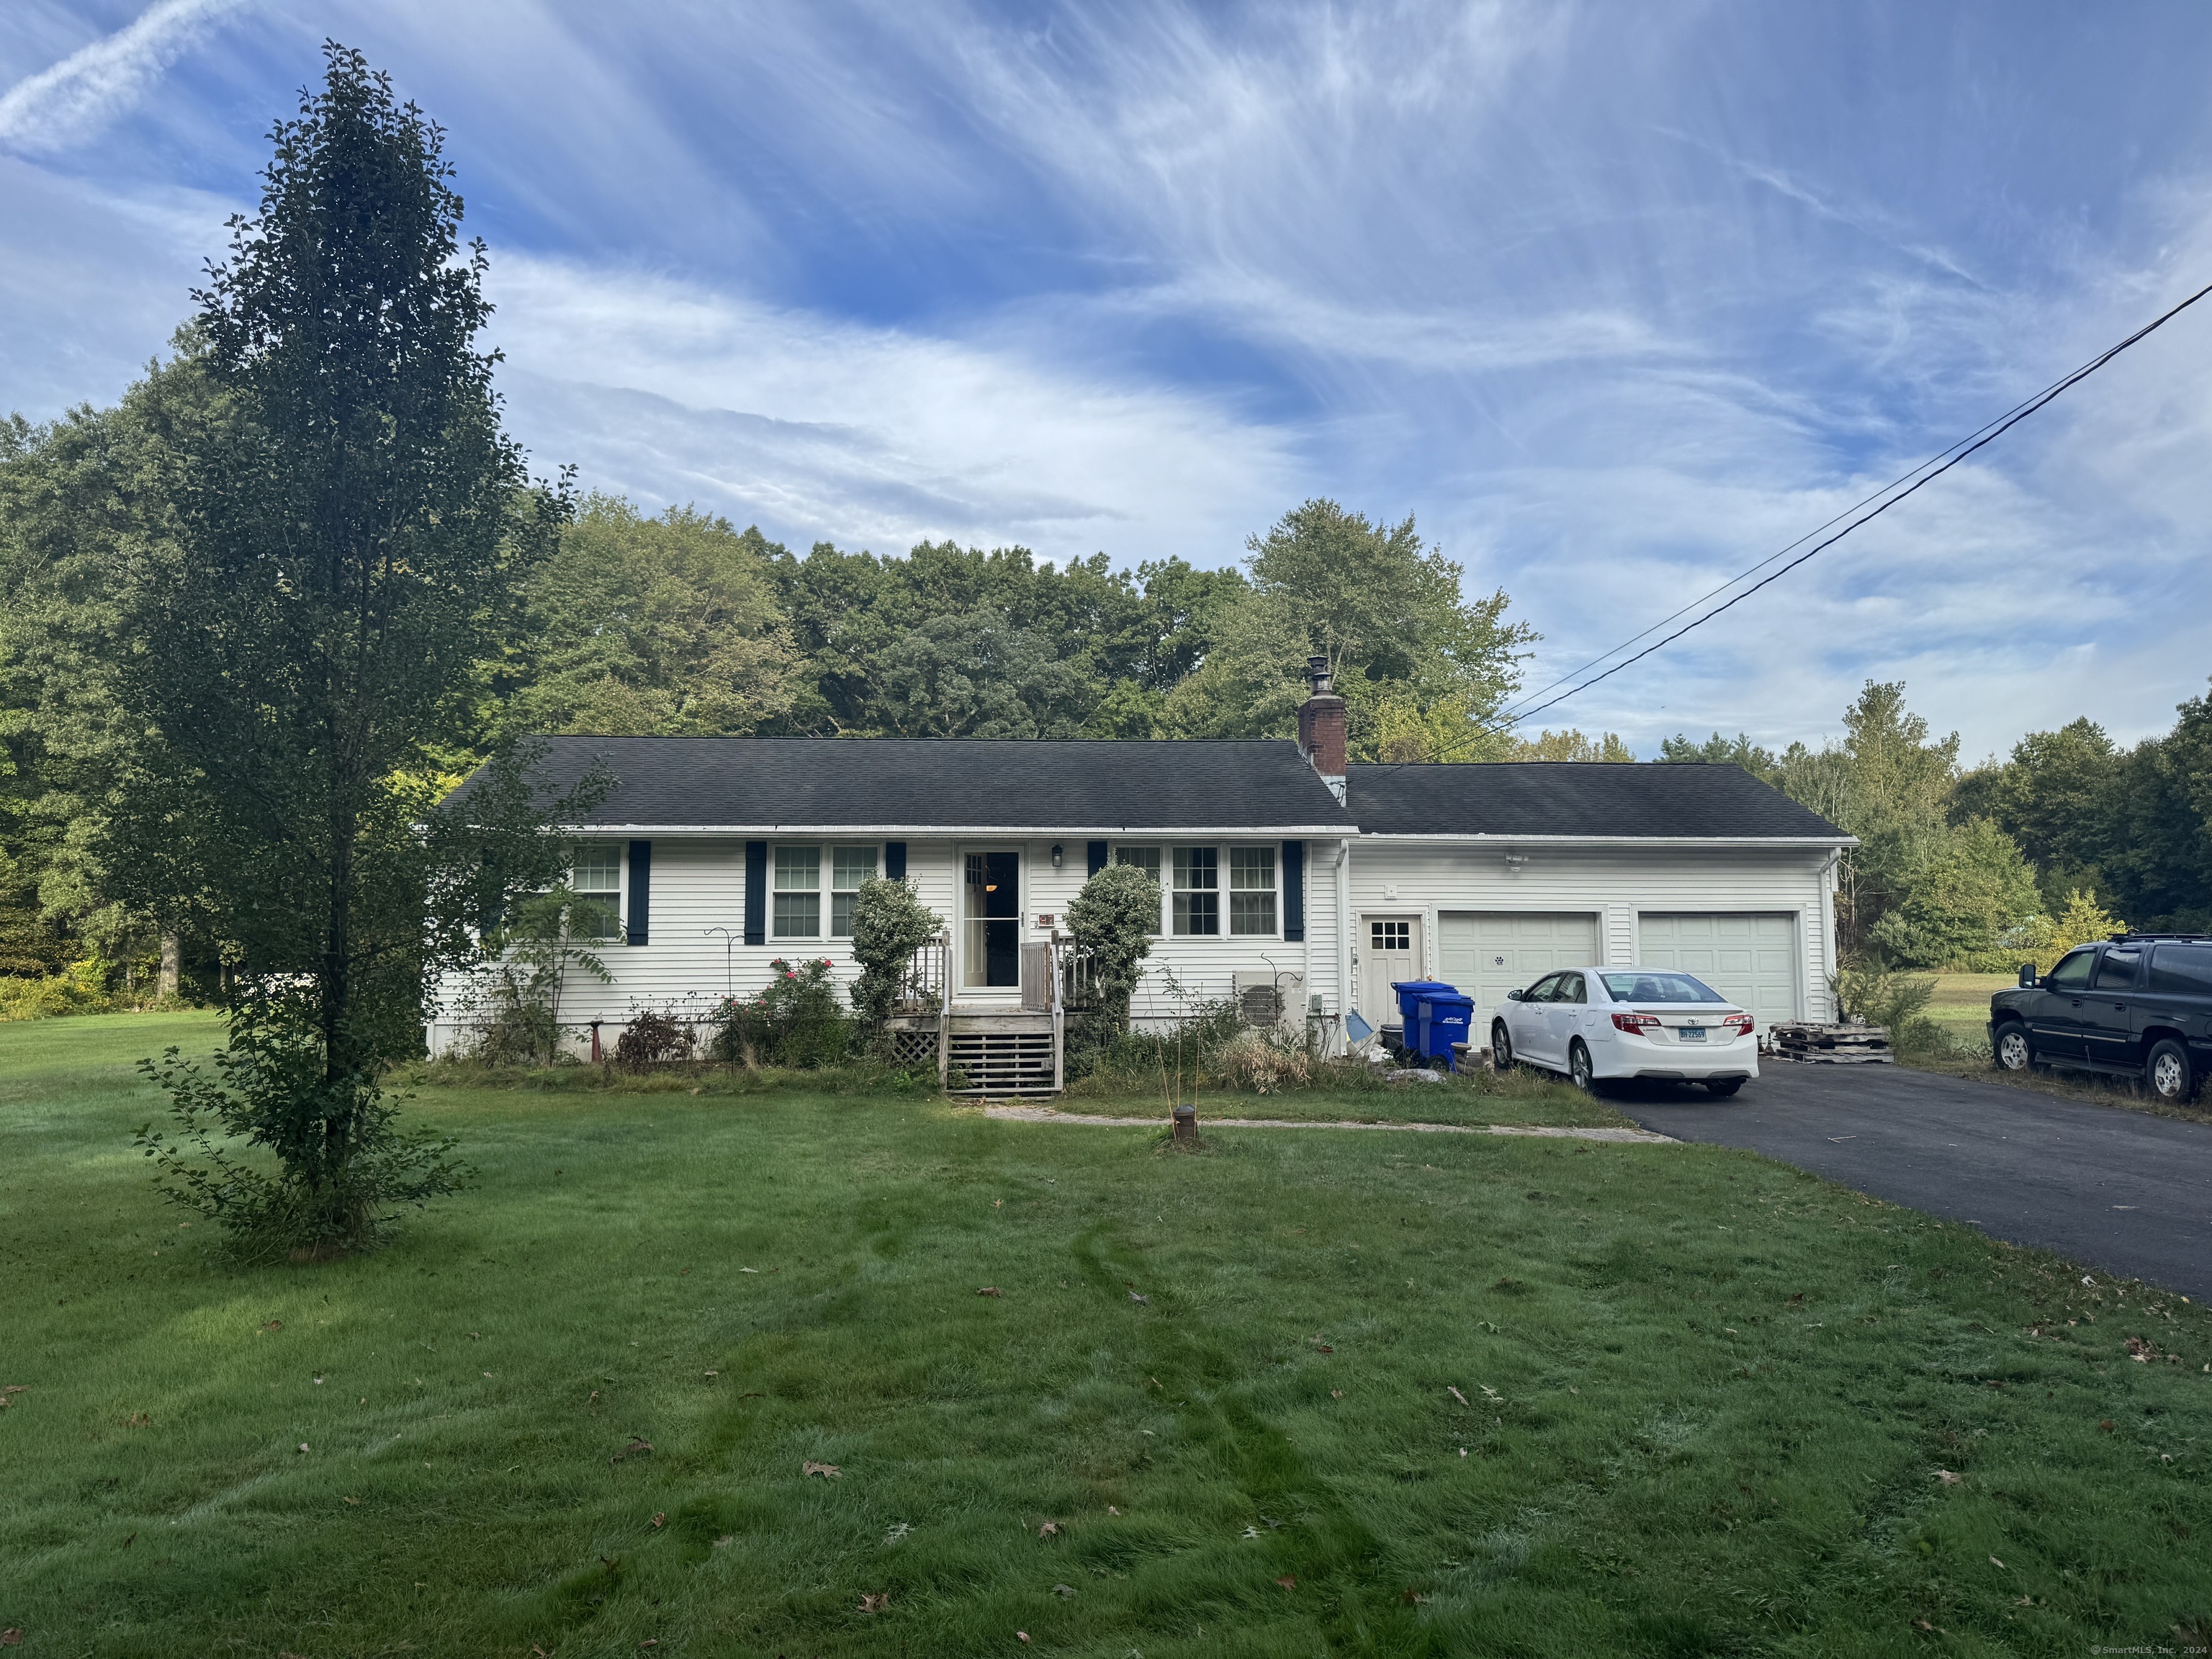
(2138,1004)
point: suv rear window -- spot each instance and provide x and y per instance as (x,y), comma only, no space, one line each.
(2116,972)
(2185,969)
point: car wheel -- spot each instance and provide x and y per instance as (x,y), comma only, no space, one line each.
(1724,1086)
(1580,1071)
(2012,1051)
(2171,1077)
(1501,1046)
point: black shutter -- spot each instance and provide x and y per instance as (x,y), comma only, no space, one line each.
(1294,890)
(895,859)
(1097,856)
(641,891)
(755,892)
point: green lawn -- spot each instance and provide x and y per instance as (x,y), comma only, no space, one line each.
(1702,1401)
(1961,1004)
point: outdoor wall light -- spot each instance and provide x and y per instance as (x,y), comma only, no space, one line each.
(1057,855)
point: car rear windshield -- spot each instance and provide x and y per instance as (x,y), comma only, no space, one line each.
(1658,987)
(2186,968)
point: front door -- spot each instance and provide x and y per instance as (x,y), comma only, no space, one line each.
(991,919)
(1389,949)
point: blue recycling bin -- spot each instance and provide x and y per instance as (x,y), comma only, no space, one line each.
(1436,1016)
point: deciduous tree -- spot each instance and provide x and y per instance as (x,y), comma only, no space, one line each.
(349,542)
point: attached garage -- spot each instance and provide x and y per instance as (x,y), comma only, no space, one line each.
(1750,959)
(1487,953)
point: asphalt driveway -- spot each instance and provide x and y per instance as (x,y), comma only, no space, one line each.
(2111,1189)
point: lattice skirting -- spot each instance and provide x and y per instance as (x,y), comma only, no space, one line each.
(914,1048)
(1003,1062)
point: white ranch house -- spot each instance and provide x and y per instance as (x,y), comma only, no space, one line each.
(1280,867)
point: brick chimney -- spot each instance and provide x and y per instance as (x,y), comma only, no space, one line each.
(1320,727)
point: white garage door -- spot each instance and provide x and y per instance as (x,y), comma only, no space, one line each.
(1487,953)
(1750,960)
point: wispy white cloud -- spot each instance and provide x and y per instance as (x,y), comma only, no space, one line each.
(1620,300)
(868,435)
(77,97)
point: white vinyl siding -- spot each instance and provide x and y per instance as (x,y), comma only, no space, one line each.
(1751,960)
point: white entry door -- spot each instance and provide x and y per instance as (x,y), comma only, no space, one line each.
(1751,960)
(1389,949)
(1487,953)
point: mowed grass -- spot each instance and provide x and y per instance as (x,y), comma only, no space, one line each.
(1432,1395)
(1961,1004)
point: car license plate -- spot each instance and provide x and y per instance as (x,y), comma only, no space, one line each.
(1692,1033)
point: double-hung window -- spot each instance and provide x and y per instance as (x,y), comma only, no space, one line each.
(798,892)
(1252,890)
(1146,858)
(1197,889)
(848,867)
(595,881)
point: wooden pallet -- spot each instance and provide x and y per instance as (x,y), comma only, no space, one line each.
(1832,1045)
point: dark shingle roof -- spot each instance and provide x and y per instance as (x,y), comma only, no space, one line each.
(1568,797)
(1039,786)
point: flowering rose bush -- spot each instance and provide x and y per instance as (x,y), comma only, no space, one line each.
(797,1018)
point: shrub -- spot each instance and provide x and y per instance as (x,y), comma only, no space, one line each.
(79,988)
(1113,918)
(1898,1002)
(331,1193)
(650,1039)
(519,993)
(795,1021)
(889,924)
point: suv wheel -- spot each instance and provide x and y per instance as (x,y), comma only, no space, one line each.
(1501,1046)
(2012,1051)
(2169,1073)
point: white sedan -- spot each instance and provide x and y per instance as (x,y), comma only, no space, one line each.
(1597,1023)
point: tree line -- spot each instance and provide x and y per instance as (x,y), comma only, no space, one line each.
(2068,837)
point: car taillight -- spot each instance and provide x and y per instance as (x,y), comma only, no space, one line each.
(1637,1024)
(1740,1023)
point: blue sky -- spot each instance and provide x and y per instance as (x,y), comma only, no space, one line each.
(1616,299)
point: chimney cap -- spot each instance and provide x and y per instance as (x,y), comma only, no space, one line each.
(1318,676)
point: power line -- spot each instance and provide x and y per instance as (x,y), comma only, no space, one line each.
(1889,497)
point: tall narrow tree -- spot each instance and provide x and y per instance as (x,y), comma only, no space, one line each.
(349,542)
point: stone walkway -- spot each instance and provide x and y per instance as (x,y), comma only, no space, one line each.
(1046,1115)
